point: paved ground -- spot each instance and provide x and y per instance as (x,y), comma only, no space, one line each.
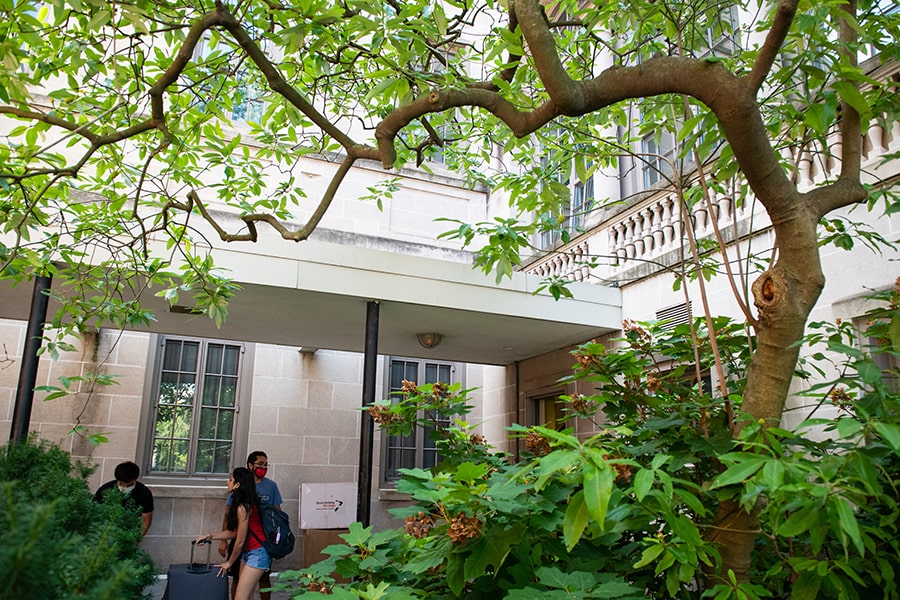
(157,590)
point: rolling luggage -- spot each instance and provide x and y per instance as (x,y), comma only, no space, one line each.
(196,580)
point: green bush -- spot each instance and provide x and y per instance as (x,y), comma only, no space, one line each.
(56,541)
(630,512)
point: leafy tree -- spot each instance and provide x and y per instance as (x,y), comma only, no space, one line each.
(129,142)
(625,513)
(57,542)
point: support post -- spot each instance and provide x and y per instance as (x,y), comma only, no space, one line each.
(366,430)
(28,372)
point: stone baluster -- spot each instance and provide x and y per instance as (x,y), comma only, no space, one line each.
(619,249)
(669,218)
(658,235)
(713,206)
(585,259)
(725,209)
(576,263)
(638,239)
(629,239)
(699,219)
(805,168)
(649,226)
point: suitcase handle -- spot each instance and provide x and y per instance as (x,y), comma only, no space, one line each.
(199,567)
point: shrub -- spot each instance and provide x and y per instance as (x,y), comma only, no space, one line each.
(629,511)
(56,541)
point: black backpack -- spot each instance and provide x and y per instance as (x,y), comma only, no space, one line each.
(276,525)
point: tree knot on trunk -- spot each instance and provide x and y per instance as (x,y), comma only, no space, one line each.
(769,292)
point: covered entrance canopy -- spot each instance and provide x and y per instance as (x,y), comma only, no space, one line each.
(313,295)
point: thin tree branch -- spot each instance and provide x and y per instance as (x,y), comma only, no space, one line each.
(784,17)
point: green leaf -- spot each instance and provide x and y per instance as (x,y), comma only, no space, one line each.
(850,94)
(800,521)
(806,587)
(643,481)
(469,472)
(894,332)
(739,472)
(598,486)
(649,555)
(848,523)
(575,520)
(456,578)
(890,433)
(558,460)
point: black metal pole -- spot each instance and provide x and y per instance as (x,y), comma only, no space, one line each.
(28,372)
(367,432)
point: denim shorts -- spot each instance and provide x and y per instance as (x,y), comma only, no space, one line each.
(257,558)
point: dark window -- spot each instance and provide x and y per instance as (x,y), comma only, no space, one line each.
(195,407)
(416,450)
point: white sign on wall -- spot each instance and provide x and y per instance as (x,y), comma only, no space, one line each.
(327,505)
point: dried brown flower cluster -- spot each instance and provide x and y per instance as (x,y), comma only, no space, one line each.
(840,397)
(381,414)
(439,390)
(643,336)
(895,297)
(537,444)
(420,525)
(322,588)
(581,403)
(409,387)
(476,439)
(623,472)
(463,528)
(653,383)
(586,360)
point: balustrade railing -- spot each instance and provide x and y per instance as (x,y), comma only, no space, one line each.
(656,227)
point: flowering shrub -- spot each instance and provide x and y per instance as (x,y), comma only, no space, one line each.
(627,512)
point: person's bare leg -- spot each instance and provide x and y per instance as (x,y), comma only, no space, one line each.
(247,582)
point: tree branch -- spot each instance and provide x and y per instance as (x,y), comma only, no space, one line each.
(784,17)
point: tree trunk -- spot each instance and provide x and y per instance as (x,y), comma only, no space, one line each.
(784,295)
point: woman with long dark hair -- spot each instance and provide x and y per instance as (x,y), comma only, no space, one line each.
(241,520)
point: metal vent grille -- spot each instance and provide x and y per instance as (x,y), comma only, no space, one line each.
(679,314)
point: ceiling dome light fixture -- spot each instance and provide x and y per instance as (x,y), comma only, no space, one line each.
(429,340)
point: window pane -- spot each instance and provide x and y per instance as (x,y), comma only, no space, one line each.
(205,455)
(211,390)
(230,360)
(214,358)
(222,458)
(207,423)
(181,400)
(416,449)
(228,391)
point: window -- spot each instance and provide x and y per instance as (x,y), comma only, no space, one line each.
(196,390)
(572,214)
(246,102)
(657,158)
(416,450)
(720,35)
(546,411)
(874,339)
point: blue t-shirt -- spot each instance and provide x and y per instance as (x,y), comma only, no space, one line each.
(268,493)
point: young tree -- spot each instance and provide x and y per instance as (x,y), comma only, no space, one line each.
(114,116)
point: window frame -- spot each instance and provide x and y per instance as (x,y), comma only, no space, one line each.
(240,426)
(419,434)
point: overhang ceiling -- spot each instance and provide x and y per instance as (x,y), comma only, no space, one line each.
(314,295)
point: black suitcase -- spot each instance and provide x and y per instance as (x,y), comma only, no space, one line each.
(196,580)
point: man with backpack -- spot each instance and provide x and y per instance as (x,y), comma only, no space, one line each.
(267,490)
